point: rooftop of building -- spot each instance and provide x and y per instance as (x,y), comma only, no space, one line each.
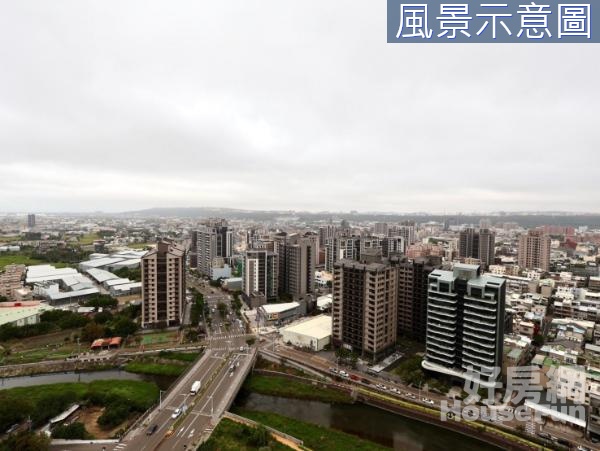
(279,308)
(10,314)
(318,327)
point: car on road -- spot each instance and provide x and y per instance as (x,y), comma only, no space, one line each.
(333,370)
(177,412)
(564,442)
(428,401)
(544,435)
(151,430)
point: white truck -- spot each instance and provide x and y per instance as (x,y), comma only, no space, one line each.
(195,387)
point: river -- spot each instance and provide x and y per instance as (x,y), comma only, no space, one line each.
(380,426)
(163,382)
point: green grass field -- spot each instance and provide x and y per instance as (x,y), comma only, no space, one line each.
(232,436)
(19,259)
(180,356)
(38,355)
(288,388)
(89,238)
(314,437)
(10,238)
(158,338)
(138,392)
(139,245)
(13,259)
(42,402)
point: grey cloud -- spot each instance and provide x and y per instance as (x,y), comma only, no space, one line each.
(275,104)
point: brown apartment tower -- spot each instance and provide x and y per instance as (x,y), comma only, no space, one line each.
(534,250)
(364,305)
(163,285)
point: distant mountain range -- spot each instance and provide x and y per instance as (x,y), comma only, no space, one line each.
(525,219)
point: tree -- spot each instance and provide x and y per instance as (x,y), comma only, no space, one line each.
(124,326)
(92,331)
(103,317)
(26,441)
(410,371)
(102,301)
(538,340)
(73,431)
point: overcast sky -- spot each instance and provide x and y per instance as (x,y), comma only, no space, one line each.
(280,104)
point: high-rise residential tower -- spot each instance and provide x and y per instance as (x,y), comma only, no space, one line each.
(214,239)
(478,244)
(465,323)
(31,220)
(413,282)
(163,285)
(364,305)
(260,273)
(534,250)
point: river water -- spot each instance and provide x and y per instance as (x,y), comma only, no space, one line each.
(163,382)
(368,422)
(373,424)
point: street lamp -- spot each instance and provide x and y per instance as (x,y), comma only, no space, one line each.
(160,392)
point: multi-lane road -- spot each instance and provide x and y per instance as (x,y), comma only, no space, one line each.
(221,371)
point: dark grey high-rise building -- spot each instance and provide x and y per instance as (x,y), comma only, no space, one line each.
(31,220)
(465,323)
(478,244)
(413,280)
(194,249)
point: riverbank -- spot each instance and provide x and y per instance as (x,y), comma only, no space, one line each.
(315,437)
(120,400)
(290,387)
(269,383)
(232,436)
(165,363)
(57,366)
